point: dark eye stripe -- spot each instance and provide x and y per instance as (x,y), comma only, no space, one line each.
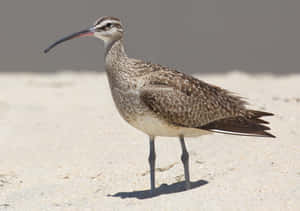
(108,26)
(103,28)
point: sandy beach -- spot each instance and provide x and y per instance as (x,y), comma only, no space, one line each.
(63,146)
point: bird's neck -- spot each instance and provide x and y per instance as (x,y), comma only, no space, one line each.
(115,51)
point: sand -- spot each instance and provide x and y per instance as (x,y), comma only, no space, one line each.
(63,146)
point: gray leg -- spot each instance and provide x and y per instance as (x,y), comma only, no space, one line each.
(185,161)
(152,162)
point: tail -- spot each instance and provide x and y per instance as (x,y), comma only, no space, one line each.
(248,125)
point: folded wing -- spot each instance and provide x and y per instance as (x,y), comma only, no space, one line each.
(186,101)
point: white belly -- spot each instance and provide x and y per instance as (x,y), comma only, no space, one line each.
(156,127)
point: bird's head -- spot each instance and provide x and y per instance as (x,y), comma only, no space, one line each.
(108,29)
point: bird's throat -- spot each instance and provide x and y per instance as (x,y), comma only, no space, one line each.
(115,51)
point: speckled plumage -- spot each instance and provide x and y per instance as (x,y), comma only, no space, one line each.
(142,88)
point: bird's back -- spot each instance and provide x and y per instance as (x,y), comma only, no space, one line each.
(185,101)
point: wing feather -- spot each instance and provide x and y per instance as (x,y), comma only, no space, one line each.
(186,101)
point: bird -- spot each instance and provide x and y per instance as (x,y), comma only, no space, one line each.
(163,102)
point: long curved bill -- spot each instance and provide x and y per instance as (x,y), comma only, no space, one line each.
(86,32)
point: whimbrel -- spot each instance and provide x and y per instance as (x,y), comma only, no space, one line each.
(161,101)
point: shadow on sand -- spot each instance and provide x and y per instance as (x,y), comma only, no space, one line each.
(163,189)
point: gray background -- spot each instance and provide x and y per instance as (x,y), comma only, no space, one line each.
(204,36)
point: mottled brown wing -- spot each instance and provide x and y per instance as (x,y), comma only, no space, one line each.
(187,101)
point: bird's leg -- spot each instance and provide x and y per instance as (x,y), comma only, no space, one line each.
(185,161)
(151,160)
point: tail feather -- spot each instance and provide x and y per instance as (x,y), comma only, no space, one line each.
(250,125)
(260,121)
(258,114)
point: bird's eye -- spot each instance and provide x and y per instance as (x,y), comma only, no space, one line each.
(108,25)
